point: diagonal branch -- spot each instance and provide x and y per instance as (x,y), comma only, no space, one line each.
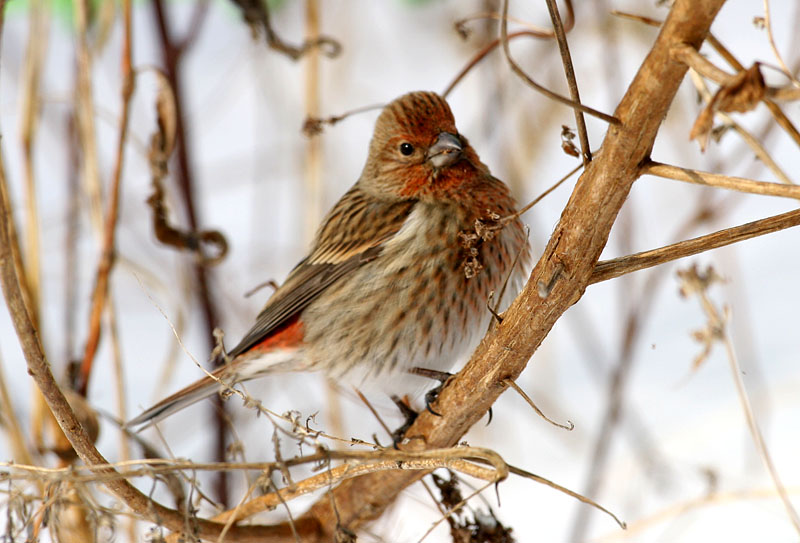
(569,71)
(106,263)
(609,269)
(559,278)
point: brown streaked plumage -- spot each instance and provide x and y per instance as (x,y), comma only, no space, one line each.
(400,270)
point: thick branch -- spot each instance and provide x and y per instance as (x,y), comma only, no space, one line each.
(557,281)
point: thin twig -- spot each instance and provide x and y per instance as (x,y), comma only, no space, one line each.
(768,25)
(569,71)
(452,509)
(461,459)
(531,31)
(198,17)
(312,126)
(119,384)
(547,92)
(758,437)
(539,198)
(480,55)
(580,497)
(8,418)
(609,269)
(313,165)
(374,412)
(700,64)
(101,287)
(29,114)
(673,511)
(739,184)
(539,32)
(84,113)
(569,426)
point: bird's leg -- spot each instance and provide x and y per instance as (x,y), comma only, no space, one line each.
(432,394)
(410,416)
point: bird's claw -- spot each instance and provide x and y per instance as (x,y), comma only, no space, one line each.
(432,394)
(410,415)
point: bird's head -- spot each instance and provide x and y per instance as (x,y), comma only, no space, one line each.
(417,152)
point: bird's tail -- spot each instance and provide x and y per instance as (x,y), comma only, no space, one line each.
(199,390)
(241,369)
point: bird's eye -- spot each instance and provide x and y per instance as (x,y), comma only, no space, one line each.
(406,148)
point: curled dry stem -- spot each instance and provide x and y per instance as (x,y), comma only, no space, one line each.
(462,459)
(702,67)
(702,135)
(534,32)
(162,144)
(462,28)
(256,14)
(569,426)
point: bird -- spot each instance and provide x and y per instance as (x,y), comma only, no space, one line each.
(401,271)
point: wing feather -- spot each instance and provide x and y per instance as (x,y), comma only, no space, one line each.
(352,234)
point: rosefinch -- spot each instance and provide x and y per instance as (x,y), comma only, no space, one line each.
(401,269)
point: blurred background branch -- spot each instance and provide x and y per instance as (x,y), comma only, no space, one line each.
(237,101)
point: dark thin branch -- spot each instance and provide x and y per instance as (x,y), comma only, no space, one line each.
(571,254)
(480,55)
(569,71)
(199,16)
(256,14)
(547,92)
(461,27)
(171,57)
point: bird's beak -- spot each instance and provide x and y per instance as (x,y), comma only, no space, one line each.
(445,150)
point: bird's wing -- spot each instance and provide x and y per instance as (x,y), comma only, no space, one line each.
(352,234)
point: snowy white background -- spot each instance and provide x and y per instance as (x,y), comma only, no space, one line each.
(244,109)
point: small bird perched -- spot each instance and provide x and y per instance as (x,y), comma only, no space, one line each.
(401,270)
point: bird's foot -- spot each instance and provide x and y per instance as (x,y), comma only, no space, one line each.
(432,394)
(410,415)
